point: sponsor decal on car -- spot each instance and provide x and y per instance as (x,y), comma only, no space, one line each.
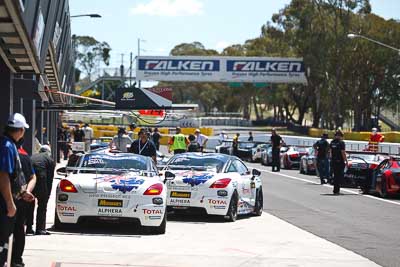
(122,183)
(152,217)
(217,202)
(218,207)
(110,203)
(109,212)
(197,179)
(180,194)
(66,208)
(178,201)
(108,196)
(152,211)
(67,214)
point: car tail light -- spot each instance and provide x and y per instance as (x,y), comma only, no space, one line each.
(373,166)
(221,183)
(294,156)
(67,186)
(155,189)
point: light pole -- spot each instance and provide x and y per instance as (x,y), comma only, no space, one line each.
(353,36)
(86,15)
(138,54)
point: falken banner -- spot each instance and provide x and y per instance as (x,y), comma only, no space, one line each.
(221,69)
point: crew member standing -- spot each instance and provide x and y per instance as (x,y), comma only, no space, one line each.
(322,148)
(144,146)
(276,141)
(88,131)
(44,169)
(121,141)
(201,139)
(131,132)
(235,144)
(156,138)
(12,181)
(193,146)
(78,133)
(251,138)
(338,160)
(178,142)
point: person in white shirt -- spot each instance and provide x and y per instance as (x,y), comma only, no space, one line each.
(201,139)
(121,141)
(222,136)
(88,136)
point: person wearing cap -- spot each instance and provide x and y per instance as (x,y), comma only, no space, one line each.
(277,142)
(201,139)
(322,148)
(44,167)
(121,141)
(338,160)
(156,136)
(131,132)
(222,136)
(88,136)
(144,146)
(178,142)
(12,181)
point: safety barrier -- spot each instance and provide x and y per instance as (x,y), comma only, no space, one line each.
(390,137)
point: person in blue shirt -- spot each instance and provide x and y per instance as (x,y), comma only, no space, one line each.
(12,181)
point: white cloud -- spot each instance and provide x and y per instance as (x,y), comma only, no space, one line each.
(169,8)
(221,45)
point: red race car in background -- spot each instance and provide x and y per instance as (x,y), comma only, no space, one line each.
(386,178)
(291,157)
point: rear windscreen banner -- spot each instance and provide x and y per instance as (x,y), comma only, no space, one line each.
(221,69)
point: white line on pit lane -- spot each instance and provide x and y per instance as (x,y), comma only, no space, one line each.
(330,186)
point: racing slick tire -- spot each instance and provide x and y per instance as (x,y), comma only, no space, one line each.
(232,213)
(301,168)
(258,207)
(384,193)
(156,230)
(58,225)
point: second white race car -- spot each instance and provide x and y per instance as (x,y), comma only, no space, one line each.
(215,183)
(113,186)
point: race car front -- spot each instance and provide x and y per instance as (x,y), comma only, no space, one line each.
(215,183)
(119,187)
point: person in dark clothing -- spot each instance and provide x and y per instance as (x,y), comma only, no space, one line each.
(12,182)
(277,142)
(322,148)
(338,160)
(235,144)
(193,146)
(144,146)
(22,205)
(156,138)
(79,134)
(251,138)
(44,168)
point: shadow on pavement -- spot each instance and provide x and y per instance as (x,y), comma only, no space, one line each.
(341,194)
(200,218)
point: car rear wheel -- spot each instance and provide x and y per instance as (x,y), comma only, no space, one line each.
(301,168)
(231,216)
(384,192)
(156,230)
(258,208)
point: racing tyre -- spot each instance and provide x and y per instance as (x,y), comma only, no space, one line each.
(231,216)
(156,230)
(384,192)
(301,168)
(258,208)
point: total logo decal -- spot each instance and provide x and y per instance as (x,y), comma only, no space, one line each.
(122,183)
(66,208)
(149,211)
(179,65)
(265,66)
(217,204)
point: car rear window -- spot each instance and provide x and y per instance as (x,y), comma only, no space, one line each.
(197,162)
(101,161)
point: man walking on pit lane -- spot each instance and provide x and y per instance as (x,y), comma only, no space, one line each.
(277,142)
(338,160)
(322,148)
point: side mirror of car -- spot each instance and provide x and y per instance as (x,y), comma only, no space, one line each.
(169,176)
(255,172)
(62,171)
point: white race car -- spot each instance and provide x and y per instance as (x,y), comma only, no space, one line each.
(112,186)
(216,183)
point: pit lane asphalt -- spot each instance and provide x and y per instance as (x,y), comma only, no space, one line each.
(366,225)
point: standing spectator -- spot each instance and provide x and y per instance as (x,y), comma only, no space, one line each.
(121,141)
(338,160)
(235,144)
(193,146)
(88,131)
(374,139)
(144,146)
(22,206)
(44,167)
(322,148)
(222,136)
(131,132)
(156,138)
(178,142)
(12,181)
(201,139)
(276,141)
(78,134)
(250,139)
(36,144)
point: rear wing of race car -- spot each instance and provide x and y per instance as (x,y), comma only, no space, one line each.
(366,152)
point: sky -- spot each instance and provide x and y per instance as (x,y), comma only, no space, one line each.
(163,24)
